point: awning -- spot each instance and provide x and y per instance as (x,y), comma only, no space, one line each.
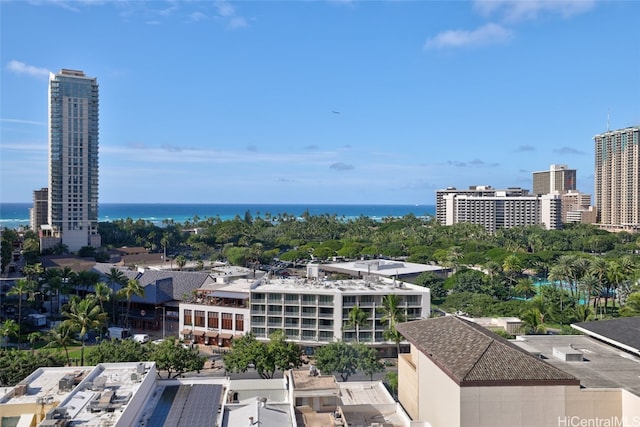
(186,332)
(211,334)
(226,336)
(231,294)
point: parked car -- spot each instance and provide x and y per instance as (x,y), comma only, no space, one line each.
(141,338)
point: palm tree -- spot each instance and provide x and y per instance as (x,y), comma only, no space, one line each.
(33,337)
(584,313)
(115,275)
(181,261)
(53,283)
(512,266)
(102,292)
(33,271)
(525,287)
(61,336)
(598,268)
(630,271)
(615,276)
(7,328)
(357,317)
(393,314)
(533,321)
(631,306)
(86,279)
(22,287)
(84,315)
(68,278)
(132,288)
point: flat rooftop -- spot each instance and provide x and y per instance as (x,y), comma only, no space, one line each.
(302,380)
(381,267)
(42,384)
(233,287)
(103,397)
(365,393)
(376,285)
(603,366)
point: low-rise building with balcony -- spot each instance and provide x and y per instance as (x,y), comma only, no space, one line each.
(316,312)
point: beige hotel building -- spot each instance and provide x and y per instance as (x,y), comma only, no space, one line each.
(617,179)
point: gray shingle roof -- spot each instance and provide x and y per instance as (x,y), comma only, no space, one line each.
(623,332)
(474,356)
(162,286)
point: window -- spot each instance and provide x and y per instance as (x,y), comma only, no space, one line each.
(188,319)
(291,298)
(227,321)
(326,299)
(199,318)
(239,322)
(366,299)
(308,311)
(349,300)
(212,322)
(275,297)
(309,299)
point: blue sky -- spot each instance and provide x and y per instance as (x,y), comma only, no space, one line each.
(378,102)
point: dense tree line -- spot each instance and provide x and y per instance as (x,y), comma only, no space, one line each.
(491,274)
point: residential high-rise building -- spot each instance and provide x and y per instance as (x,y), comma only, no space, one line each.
(502,209)
(617,178)
(473,190)
(73,161)
(39,213)
(559,178)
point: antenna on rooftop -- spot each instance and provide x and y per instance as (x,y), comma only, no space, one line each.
(608,114)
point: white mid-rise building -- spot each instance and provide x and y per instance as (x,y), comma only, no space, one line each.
(316,312)
(503,209)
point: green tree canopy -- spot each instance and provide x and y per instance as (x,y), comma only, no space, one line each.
(174,359)
(267,358)
(15,365)
(114,351)
(347,359)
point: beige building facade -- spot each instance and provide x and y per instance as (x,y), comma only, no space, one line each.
(559,178)
(460,374)
(617,178)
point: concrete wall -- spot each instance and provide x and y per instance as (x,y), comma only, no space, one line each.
(593,403)
(408,383)
(630,409)
(439,399)
(427,393)
(513,406)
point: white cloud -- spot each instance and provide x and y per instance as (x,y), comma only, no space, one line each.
(486,35)
(197,16)
(228,13)
(513,11)
(225,9)
(237,22)
(340,166)
(24,122)
(22,68)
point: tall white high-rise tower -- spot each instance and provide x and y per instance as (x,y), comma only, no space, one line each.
(73,161)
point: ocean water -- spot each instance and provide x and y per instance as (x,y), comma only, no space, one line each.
(14,215)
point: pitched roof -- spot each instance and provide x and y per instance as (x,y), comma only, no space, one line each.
(474,356)
(75,263)
(623,332)
(167,285)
